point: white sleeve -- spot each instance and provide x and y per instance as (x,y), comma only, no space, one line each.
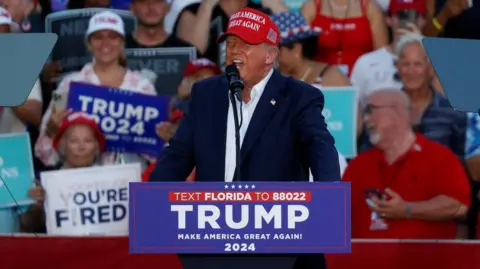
(43,146)
(342,161)
(357,78)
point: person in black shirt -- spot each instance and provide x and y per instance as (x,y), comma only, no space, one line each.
(151,32)
(202,23)
(76,4)
(453,19)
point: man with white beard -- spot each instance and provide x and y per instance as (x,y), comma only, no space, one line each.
(407,186)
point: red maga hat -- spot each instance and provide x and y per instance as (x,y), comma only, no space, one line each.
(199,64)
(79,118)
(253,27)
(420,6)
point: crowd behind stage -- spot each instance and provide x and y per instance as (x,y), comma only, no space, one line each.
(430,191)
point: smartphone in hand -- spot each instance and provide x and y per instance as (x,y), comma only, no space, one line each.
(59,100)
(369,193)
(405,17)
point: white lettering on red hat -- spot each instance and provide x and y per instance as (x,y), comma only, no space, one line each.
(251,25)
(248,15)
(247,24)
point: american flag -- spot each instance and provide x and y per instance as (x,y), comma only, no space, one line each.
(293,27)
(272,35)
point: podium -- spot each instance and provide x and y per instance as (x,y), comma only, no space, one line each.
(287,261)
(215,225)
(237,262)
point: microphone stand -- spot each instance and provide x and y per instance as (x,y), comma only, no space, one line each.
(236,112)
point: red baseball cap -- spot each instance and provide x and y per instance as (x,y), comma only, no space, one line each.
(198,64)
(253,27)
(396,6)
(79,118)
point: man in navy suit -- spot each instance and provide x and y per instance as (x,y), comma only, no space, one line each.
(283,133)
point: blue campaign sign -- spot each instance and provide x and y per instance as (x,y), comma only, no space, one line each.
(126,118)
(247,217)
(340,113)
(16,170)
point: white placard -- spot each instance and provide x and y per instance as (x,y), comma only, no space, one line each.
(89,201)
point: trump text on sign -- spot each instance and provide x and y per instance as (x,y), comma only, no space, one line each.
(126,118)
(254,217)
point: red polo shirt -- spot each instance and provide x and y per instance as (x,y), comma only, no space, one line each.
(427,170)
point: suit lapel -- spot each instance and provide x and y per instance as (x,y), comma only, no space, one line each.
(266,108)
(219,130)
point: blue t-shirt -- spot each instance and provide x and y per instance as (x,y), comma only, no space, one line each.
(472,141)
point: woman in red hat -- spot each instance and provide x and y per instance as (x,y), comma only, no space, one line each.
(79,143)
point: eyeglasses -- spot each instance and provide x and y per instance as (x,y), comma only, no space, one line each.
(370,108)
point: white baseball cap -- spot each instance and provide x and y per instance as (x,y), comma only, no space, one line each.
(105,20)
(5,17)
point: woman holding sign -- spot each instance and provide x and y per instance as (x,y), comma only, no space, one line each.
(79,143)
(105,38)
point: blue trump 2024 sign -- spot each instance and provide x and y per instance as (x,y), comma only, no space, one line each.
(126,118)
(244,217)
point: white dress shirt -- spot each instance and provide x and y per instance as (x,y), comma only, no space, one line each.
(247,112)
(373,71)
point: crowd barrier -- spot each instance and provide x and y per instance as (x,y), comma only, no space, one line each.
(20,252)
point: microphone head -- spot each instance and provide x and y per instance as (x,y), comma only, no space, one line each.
(232,70)
(233,76)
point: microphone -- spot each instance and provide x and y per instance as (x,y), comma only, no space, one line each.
(235,84)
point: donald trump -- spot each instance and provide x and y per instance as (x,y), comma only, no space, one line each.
(283,134)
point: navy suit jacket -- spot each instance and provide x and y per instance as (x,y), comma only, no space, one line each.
(283,139)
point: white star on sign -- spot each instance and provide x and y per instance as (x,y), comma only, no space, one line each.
(233,187)
(226,186)
(253,186)
(239,186)
(246,186)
